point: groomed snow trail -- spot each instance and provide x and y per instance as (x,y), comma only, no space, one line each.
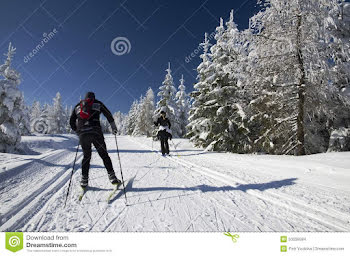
(190,190)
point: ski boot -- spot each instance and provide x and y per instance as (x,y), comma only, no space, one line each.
(114,180)
(84,182)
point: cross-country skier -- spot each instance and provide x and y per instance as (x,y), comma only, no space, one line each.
(85,121)
(164,132)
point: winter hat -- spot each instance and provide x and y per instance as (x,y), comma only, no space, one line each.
(90,95)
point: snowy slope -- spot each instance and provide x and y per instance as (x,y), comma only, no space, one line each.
(191,190)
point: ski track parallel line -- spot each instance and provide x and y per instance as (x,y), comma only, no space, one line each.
(33,204)
(17,170)
(209,199)
(345,217)
(204,206)
(226,180)
(260,195)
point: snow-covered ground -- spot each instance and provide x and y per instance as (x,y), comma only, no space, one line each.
(191,190)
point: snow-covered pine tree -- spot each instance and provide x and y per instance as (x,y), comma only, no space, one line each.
(167,102)
(123,130)
(24,121)
(105,126)
(68,111)
(57,116)
(140,121)
(144,123)
(35,110)
(218,109)
(199,122)
(214,83)
(11,105)
(149,108)
(219,79)
(67,116)
(290,74)
(120,122)
(183,106)
(229,132)
(339,42)
(131,118)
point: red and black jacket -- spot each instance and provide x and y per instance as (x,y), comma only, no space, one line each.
(80,124)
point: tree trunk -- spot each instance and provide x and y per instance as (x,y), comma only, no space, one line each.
(300,150)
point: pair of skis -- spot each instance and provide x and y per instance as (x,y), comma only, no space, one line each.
(110,195)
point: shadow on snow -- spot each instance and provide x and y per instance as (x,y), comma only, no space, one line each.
(205,188)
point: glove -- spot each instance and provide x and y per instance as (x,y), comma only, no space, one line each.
(114,128)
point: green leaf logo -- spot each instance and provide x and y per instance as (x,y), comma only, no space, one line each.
(14,241)
(234,237)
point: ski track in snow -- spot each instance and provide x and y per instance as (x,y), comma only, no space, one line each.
(190,190)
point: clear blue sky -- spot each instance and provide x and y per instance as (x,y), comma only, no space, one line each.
(79,58)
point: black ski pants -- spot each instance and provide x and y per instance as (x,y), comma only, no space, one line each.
(164,144)
(96,139)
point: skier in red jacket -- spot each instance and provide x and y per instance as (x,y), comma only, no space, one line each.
(85,121)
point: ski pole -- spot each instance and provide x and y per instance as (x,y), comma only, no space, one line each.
(175,147)
(70,181)
(120,166)
(173,144)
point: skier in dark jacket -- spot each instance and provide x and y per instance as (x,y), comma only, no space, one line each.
(164,132)
(85,121)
